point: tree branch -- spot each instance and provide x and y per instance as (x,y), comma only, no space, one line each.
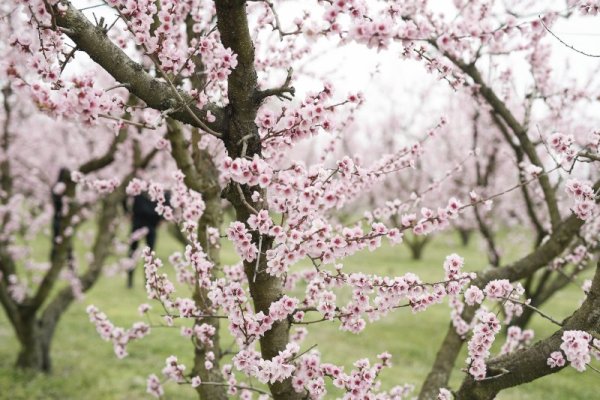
(502,110)
(156,94)
(445,359)
(530,364)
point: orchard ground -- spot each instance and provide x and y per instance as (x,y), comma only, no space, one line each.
(85,367)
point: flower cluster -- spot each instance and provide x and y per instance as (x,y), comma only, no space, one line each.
(154,387)
(118,336)
(16,288)
(576,347)
(242,241)
(587,7)
(584,196)
(158,286)
(102,186)
(562,144)
(479,346)
(261,222)
(248,172)
(556,360)
(80,100)
(474,295)
(516,338)
(173,370)
(444,394)
(361,382)
(267,371)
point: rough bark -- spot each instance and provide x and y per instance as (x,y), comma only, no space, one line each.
(212,217)
(5,177)
(34,352)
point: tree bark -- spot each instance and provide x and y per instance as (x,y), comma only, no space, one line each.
(34,352)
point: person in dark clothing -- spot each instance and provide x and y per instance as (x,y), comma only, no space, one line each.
(143,215)
(58,194)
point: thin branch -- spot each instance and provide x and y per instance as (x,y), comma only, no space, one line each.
(120,85)
(126,121)
(303,353)
(537,310)
(243,199)
(68,58)
(260,241)
(593,157)
(281,91)
(183,103)
(566,44)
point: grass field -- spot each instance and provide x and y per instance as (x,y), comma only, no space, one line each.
(85,367)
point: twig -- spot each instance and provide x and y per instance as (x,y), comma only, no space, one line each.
(241,387)
(280,92)
(303,353)
(566,44)
(243,199)
(503,372)
(120,85)
(537,310)
(277,24)
(183,102)
(260,240)
(90,7)
(68,58)
(126,121)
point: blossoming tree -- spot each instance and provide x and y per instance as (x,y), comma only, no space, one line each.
(219,76)
(35,294)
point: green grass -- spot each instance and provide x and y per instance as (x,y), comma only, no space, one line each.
(85,367)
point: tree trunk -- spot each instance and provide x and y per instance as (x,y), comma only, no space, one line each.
(416,246)
(416,251)
(241,138)
(34,354)
(212,217)
(206,183)
(465,236)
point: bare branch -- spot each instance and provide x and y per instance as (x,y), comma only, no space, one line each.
(566,44)
(280,92)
